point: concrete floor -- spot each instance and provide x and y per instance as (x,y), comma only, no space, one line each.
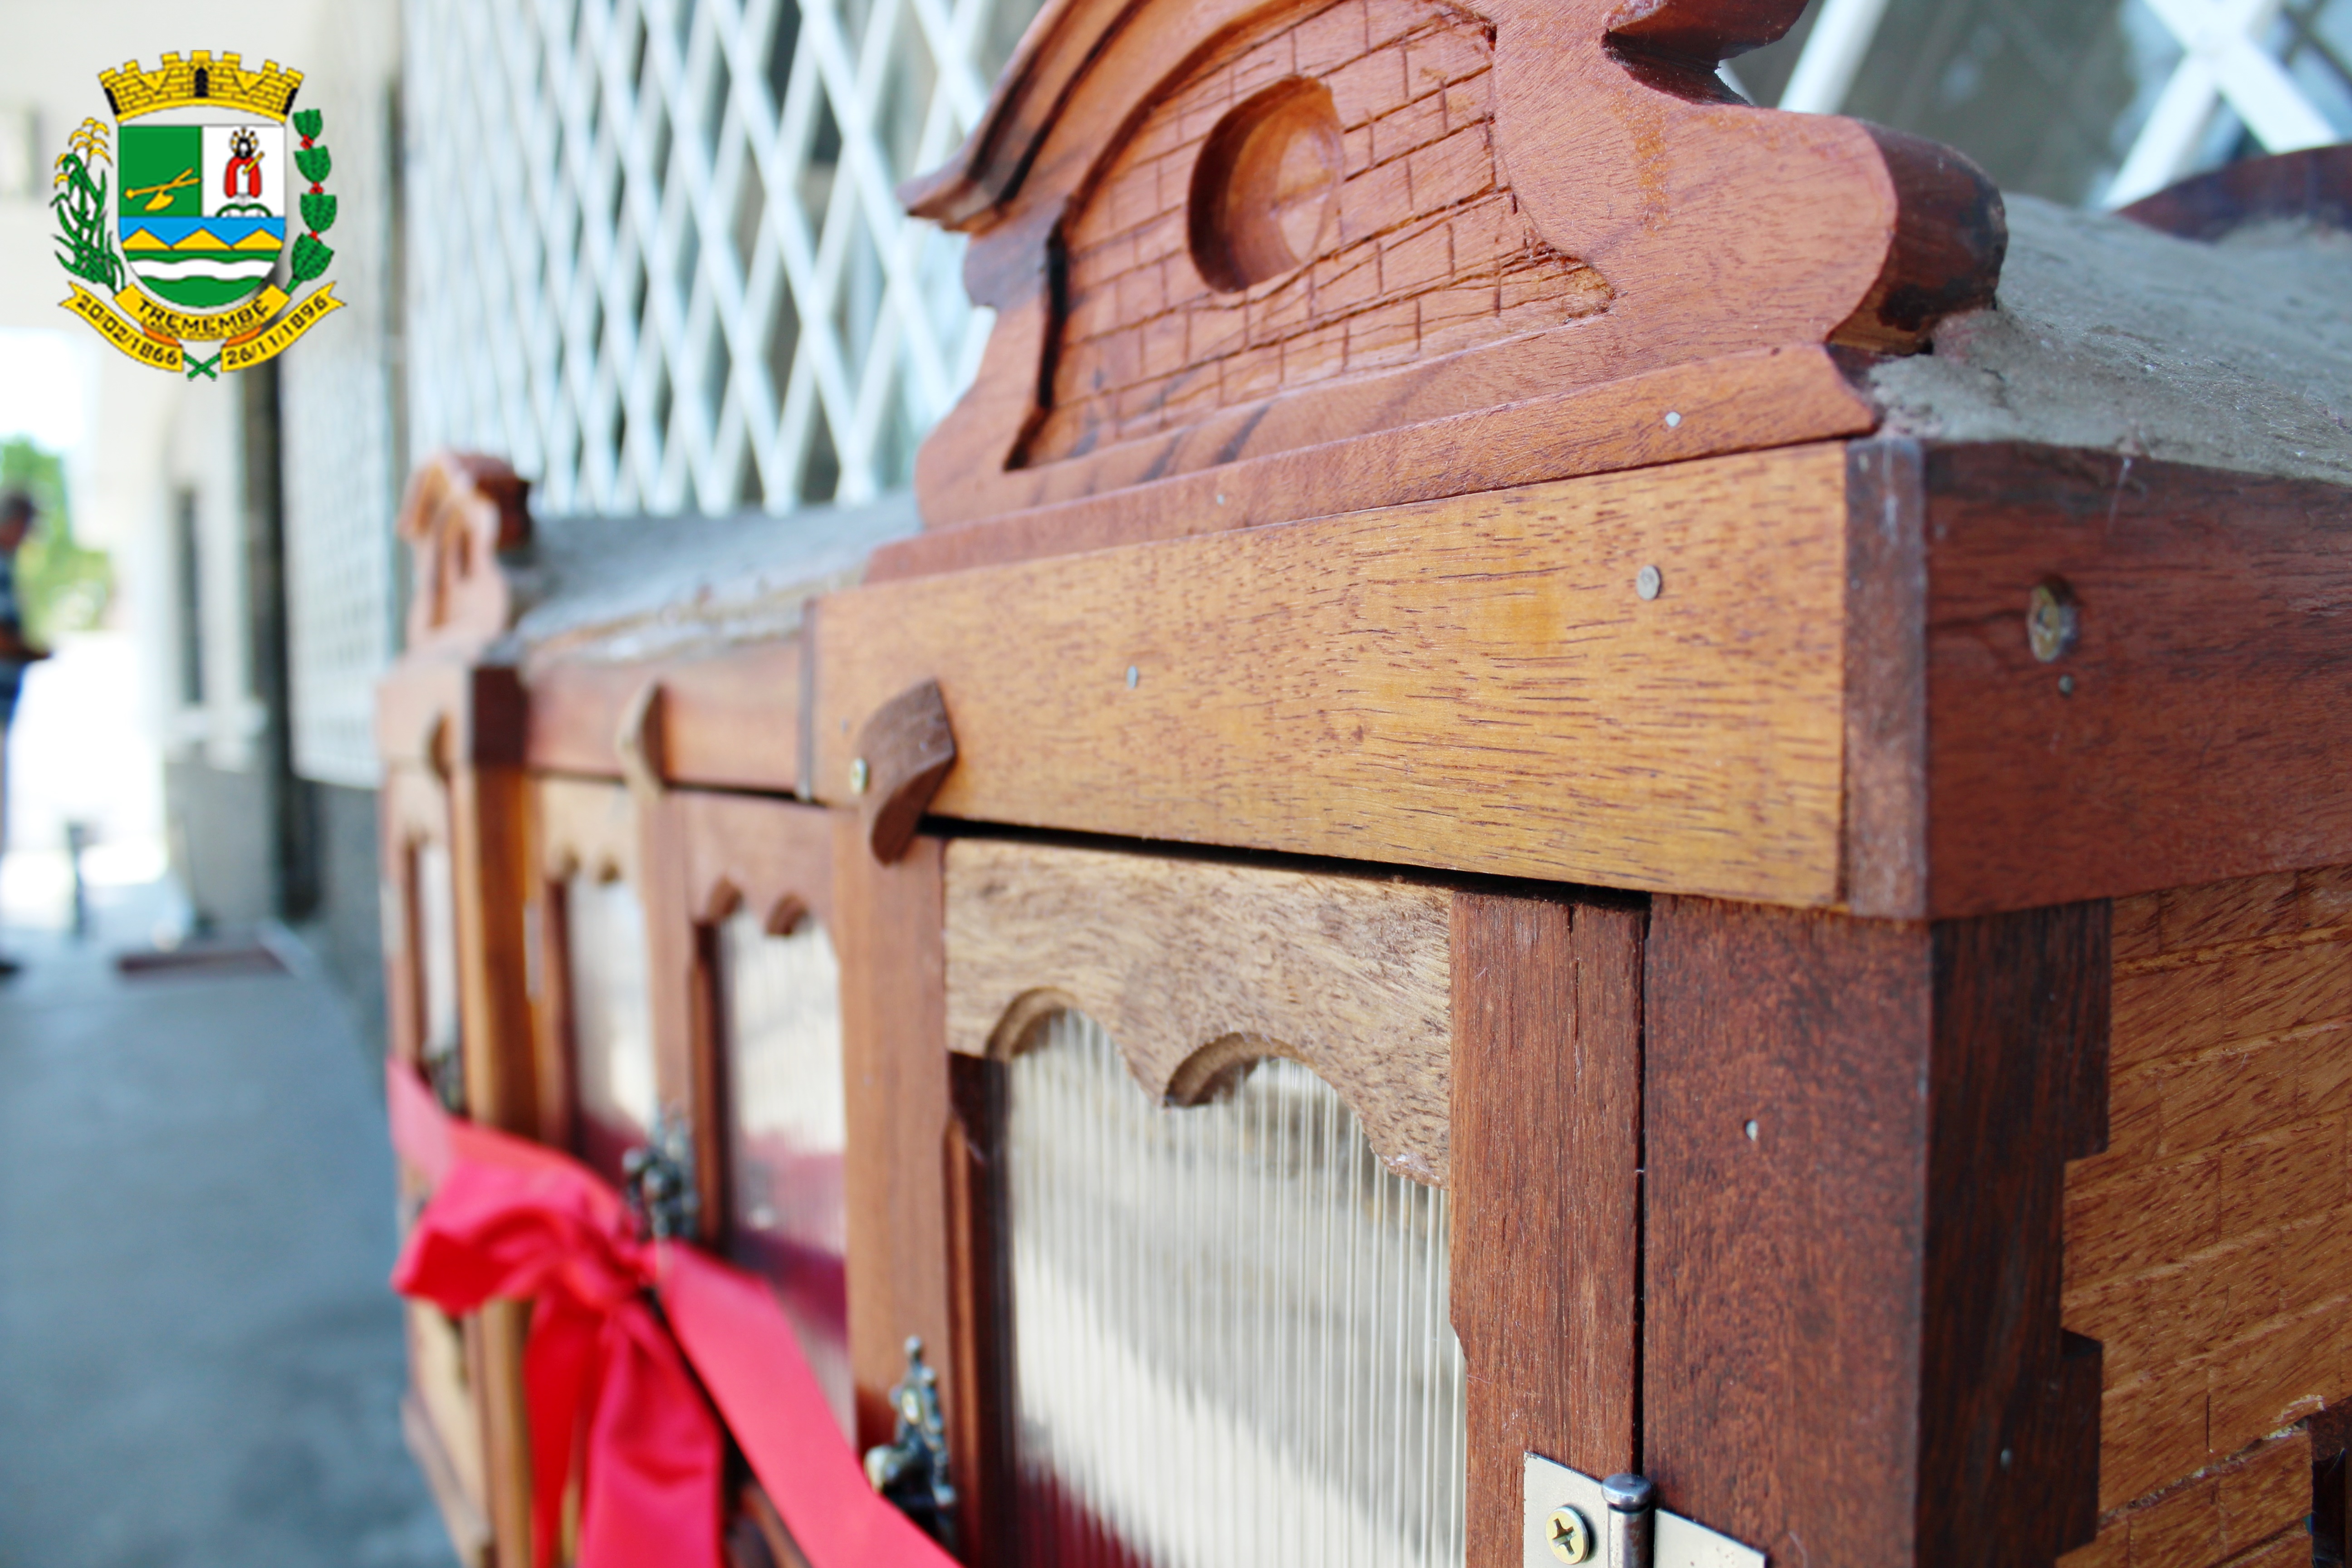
(199,1358)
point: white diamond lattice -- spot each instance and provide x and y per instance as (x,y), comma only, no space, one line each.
(656,255)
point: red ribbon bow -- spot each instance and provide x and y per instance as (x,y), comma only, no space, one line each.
(610,1395)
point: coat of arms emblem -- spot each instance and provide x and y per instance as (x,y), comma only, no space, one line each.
(181,214)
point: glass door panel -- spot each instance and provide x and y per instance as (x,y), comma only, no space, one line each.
(1232,1345)
(612,1019)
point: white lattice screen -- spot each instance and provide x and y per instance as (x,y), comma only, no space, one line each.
(337,413)
(2276,72)
(656,258)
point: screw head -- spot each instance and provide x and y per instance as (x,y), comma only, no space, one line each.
(1572,1540)
(1133,676)
(2051,622)
(1650,582)
(860,775)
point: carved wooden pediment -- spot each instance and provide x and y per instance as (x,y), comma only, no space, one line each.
(1252,261)
(461,511)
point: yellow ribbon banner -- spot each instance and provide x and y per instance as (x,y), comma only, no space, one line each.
(279,338)
(249,317)
(121,333)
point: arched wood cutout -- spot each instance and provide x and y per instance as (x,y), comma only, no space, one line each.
(1216,232)
(1194,966)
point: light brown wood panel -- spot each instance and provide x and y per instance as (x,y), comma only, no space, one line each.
(2210,1249)
(758,855)
(729,720)
(1193,966)
(1681,413)
(586,825)
(2239,1512)
(1473,684)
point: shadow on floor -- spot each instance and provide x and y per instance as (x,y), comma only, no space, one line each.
(200,1362)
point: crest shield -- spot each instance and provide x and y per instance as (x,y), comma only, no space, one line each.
(202,210)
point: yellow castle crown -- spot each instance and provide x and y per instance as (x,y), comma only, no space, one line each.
(201,80)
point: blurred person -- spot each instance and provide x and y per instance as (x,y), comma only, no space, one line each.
(17,515)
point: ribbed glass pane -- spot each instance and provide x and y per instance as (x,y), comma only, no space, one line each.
(611,1018)
(787,1130)
(1232,1339)
(436,960)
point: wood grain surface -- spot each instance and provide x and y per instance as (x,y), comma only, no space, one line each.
(1741,403)
(887,929)
(1194,966)
(2211,1247)
(2246,1512)
(1474,684)
(1546,1109)
(905,748)
(1856,1139)
(730,721)
(2205,733)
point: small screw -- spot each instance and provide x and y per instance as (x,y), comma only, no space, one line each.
(1650,582)
(1751,1131)
(1673,421)
(2052,621)
(1221,498)
(1571,1540)
(1133,675)
(2005,1457)
(860,775)
(2065,686)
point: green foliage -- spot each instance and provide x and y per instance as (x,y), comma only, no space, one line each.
(318,211)
(307,122)
(314,163)
(310,257)
(79,202)
(64,586)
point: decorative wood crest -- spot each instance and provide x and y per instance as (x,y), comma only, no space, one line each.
(462,509)
(1219,232)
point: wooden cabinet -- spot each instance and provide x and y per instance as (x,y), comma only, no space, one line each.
(1468,835)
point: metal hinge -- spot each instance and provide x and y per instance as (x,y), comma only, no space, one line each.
(1615,1523)
(657,1179)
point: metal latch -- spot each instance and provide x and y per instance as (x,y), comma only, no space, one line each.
(1615,1523)
(657,1181)
(911,1469)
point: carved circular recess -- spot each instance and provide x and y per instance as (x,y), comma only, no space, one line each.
(1265,192)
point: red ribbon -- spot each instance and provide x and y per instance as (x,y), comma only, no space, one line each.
(609,1393)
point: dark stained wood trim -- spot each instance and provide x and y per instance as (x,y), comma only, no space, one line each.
(1547,1096)
(1853,1313)
(2198,728)
(981,1402)
(2313,186)
(2018,1087)
(887,929)
(1886,682)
